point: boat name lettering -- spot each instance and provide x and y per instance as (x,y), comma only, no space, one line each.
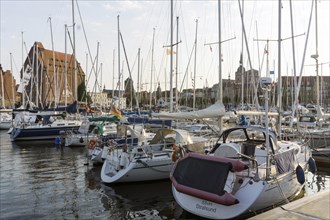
(205,208)
(205,202)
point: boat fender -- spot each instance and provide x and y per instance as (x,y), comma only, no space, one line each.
(300,174)
(81,140)
(91,144)
(312,165)
(57,140)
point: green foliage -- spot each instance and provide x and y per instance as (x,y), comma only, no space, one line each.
(82,93)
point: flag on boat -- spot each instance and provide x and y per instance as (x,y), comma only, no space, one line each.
(114,111)
(168,52)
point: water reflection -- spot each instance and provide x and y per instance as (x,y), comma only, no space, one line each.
(318,182)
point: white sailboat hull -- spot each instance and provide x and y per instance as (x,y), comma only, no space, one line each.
(253,197)
(5,125)
(142,168)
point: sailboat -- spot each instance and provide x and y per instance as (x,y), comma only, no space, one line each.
(45,124)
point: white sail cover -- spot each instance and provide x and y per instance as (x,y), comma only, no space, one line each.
(256,113)
(214,111)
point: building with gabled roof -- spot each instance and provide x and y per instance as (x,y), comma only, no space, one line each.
(48,78)
(8,94)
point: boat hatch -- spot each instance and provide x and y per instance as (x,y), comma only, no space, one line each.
(205,179)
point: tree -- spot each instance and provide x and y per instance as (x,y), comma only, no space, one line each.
(129,92)
(82,93)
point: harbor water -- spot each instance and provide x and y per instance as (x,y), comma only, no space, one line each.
(39,180)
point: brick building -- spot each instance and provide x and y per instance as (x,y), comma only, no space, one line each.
(8,94)
(51,81)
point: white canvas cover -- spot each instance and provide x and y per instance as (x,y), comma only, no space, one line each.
(214,111)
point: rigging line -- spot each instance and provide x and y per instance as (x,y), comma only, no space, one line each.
(186,72)
(161,66)
(27,54)
(83,27)
(15,65)
(134,62)
(228,26)
(184,31)
(302,64)
(258,49)
(147,25)
(90,74)
(129,70)
(247,49)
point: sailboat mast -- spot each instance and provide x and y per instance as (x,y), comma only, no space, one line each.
(220,51)
(32,75)
(65,67)
(101,88)
(85,92)
(12,83)
(113,75)
(138,79)
(54,70)
(316,59)
(2,92)
(23,92)
(152,63)
(74,54)
(37,75)
(241,58)
(194,100)
(96,83)
(220,68)
(279,81)
(176,63)
(171,61)
(119,83)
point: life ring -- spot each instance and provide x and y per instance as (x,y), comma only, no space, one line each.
(91,144)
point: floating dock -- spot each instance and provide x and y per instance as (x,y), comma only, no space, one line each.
(316,206)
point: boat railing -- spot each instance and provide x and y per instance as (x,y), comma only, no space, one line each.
(254,165)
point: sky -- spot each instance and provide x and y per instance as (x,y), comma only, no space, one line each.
(146,25)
